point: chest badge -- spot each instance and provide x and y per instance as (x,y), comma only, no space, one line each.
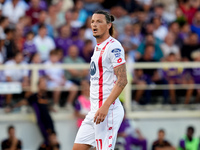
(92,68)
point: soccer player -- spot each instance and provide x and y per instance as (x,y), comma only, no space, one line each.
(107,80)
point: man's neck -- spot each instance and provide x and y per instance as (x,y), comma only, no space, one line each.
(102,39)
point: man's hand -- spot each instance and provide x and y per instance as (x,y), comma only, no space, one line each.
(101,114)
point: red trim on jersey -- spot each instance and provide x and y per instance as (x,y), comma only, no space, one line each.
(101,76)
(119,64)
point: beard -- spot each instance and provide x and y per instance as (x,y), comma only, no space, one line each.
(96,36)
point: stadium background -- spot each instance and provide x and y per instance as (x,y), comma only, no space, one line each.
(155,34)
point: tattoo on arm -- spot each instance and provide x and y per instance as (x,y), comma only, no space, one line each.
(120,72)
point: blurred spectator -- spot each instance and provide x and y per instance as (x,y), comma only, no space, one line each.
(53,18)
(29,48)
(195,4)
(129,5)
(174,28)
(16,10)
(79,7)
(57,81)
(169,46)
(184,33)
(141,80)
(74,21)
(1,6)
(12,142)
(60,14)
(19,37)
(146,4)
(43,42)
(9,44)
(33,11)
(145,76)
(25,22)
(141,17)
(121,18)
(88,32)
(20,75)
(160,31)
(92,5)
(180,17)
(53,143)
(188,10)
(63,5)
(42,21)
(149,28)
(40,104)
(75,75)
(2,50)
(158,10)
(189,141)
(150,39)
(60,55)
(64,41)
(175,76)
(4,23)
(87,51)
(82,104)
(107,5)
(195,27)
(191,45)
(131,37)
(161,143)
(194,73)
(35,59)
(129,134)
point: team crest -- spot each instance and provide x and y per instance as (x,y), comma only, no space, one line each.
(98,49)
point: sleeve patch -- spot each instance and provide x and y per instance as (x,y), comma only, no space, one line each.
(119,60)
(117,52)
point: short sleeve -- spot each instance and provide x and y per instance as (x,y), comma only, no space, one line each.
(117,57)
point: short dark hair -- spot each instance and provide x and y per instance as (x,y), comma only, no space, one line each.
(161,130)
(2,19)
(109,19)
(30,32)
(10,127)
(171,54)
(8,30)
(149,45)
(16,53)
(42,25)
(53,52)
(190,128)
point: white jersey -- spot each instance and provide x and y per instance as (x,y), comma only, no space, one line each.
(107,55)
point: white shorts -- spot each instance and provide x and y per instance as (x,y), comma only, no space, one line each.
(102,136)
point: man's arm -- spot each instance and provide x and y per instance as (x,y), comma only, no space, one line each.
(120,72)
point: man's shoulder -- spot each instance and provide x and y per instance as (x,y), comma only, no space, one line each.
(5,141)
(114,43)
(156,143)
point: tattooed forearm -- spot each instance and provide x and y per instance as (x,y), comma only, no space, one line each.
(120,72)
